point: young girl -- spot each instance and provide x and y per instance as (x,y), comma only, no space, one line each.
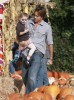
(22,33)
(14,68)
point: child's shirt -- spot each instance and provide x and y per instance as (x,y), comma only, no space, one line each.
(20,28)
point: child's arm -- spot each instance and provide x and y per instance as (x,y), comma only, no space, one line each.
(25,31)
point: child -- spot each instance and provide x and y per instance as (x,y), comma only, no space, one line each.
(22,33)
(13,68)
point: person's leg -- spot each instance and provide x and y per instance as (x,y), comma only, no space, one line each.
(15,46)
(33,72)
(40,77)
(11,68)
(13,72)
(12,65)
(45,77)
(16,56)
(42,74)
(24,70)
(31,51)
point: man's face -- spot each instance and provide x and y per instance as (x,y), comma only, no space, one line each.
(37,17)
(23,20)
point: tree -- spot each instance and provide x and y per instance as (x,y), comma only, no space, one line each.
(62,21)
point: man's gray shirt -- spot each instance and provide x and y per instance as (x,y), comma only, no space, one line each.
(41,35)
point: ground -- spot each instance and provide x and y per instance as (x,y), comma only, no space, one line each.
(9,85)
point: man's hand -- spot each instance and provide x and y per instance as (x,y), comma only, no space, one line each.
(50,62)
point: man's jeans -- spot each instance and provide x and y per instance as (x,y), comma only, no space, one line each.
(42,74)
(36,73)
(33,71)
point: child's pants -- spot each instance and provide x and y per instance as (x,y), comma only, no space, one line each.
(12,65)
(32,49)
(23,45)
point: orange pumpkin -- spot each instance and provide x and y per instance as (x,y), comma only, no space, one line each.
(15,96)
(55,74)
(30,98)
(41,89)
(50,74)
(36,95)
(52,90)
(64,91)
(64,75)
(69,97)
(62,81)
(47,97)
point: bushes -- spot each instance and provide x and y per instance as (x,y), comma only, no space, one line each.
(62,21)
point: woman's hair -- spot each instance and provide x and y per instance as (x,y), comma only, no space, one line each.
(23,14)
(41,11)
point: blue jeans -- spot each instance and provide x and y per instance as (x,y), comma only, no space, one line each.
(12,65)
(33,71)
(42,74)
(44,66)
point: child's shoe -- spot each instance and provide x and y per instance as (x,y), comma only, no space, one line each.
(26,63)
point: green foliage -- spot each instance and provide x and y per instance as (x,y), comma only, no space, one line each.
(62,21)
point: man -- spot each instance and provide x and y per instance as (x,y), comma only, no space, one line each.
(40,33)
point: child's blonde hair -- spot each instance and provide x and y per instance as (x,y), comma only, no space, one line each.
(23,14)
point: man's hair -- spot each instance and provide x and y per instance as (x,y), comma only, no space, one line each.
(41,10)
(23,14)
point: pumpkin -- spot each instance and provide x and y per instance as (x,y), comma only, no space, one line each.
(64,91)
(64,75)
(30,98)
(15,96)
(49,74)
(41,89)
(62,81)
(52,90)
(47,97)
(55,74)
(36,95)
(69,97)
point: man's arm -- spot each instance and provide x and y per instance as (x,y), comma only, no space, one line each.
(50,60)
(50,44)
